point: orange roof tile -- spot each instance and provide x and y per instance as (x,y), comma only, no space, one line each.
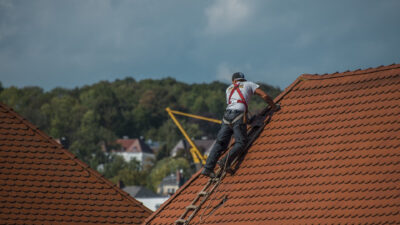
(42,183)
(331,155)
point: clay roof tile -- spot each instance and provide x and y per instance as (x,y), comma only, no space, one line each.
(42,183)
(329,156)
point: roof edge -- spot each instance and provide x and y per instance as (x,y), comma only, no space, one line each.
(74,157)
(350,73)
(306,76)
(289,88)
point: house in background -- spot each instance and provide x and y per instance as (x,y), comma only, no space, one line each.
(149,199)
(43,183)
(204,146)
(170,184)
(134,149)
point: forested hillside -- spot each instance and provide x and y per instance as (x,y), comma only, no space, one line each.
(96,115)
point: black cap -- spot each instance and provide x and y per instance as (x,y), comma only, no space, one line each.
(238,76)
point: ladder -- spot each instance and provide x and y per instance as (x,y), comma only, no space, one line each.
(257,125)
(206,192)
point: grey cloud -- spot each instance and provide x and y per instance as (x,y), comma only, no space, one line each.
(69,43)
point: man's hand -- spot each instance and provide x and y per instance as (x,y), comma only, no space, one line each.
(267,99)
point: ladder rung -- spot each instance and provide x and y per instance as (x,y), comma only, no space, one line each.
(180,221)
(202,193)
(191,207)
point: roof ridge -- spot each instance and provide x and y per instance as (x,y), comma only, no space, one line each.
(306,76)
(72,156)
(349,72)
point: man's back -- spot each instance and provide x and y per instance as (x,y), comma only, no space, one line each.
(247,88)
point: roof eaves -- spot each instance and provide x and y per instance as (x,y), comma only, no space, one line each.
(74,157)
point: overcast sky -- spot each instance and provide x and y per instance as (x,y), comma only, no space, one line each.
(51,43)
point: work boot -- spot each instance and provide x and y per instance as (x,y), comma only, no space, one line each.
(208,173)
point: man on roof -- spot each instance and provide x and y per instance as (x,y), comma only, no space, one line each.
(238,95)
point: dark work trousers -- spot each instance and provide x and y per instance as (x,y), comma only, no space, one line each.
(239,131)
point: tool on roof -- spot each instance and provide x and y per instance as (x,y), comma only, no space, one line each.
(198,158)
(256,126)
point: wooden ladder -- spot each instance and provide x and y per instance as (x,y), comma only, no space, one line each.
(200,198)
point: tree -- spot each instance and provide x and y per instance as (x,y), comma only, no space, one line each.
(130,173)
(115,164)
(92,139)
(64,115)
(93,116)
(102,100)
(165,167)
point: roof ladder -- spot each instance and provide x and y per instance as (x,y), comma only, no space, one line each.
(201,197)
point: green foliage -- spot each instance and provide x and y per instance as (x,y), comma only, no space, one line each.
(162,152)
(130,173)
(27,101)
(92,117)
(165,167)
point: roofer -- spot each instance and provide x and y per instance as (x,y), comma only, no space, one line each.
(238,95)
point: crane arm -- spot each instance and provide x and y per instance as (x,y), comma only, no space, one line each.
(196,155)
(193,116)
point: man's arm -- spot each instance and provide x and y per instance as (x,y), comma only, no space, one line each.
(266,98)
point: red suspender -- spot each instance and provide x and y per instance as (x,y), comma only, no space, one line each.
(236,87)
(233,90)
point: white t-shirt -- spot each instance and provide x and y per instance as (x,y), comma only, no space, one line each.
(247,88)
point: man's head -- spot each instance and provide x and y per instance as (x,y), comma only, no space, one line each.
(238,76)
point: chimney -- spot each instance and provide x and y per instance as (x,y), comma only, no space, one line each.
(120,184)
(64,142)
(179,177)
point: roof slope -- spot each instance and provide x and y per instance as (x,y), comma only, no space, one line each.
(42,183)
(331,155)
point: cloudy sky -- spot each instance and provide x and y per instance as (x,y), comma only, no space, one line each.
(50,43)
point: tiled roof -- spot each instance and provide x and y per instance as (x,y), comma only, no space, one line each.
(134,145)
(330,156)
(42,183)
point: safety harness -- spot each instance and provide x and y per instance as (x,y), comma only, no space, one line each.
(241,100)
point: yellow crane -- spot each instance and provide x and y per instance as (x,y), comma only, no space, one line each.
(197,156)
